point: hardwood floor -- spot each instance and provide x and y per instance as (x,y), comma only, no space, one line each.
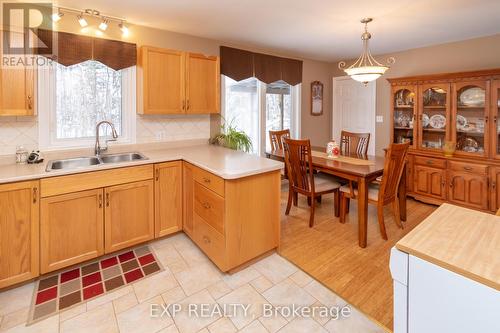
(330,253)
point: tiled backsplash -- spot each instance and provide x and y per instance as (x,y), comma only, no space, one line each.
(16,131)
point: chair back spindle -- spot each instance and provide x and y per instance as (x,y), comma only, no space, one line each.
(354,143)
(298,160)
(395,159)
(275,137)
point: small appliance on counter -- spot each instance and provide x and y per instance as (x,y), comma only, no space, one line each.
(35,157)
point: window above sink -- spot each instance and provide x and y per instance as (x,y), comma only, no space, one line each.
(78,97)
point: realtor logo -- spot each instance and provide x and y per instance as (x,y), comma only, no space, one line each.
(26,29)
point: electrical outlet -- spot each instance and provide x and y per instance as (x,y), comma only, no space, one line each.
(379,119)
(160,135)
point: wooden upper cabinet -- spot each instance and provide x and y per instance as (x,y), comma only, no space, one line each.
(176,82)
(168,198)
(19,232)
(161,73)
(404,114)
(202,83)
(129,215)
(434,115)
(72,229)
(17,84)
(470,118)
(495,119)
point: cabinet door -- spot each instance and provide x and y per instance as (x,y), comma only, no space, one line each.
(434,116)
(495,124)
(202,84)
(404,120)
(168,198)
(71,229)
(161,77)
(470,118)
(129,215)
(429,181)
(188,190)
(16,88)
(468,189)
(495,189)
(19,233)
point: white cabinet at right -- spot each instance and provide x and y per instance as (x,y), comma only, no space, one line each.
(429,298)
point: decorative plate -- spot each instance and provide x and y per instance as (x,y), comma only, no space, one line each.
(461,122)
(437,121)
(473,97)
(425,120)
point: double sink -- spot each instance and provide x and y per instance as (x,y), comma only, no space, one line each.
(82,162)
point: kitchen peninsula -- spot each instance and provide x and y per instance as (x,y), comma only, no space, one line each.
(227,202)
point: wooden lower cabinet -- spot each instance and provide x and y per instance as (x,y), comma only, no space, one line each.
(494,188)
(129,215)
(240,225)
(468,189)
(19,232)
(71,229)
(168,198)
(429,182)
(188,198)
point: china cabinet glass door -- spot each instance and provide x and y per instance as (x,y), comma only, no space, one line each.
(404,105)
(495,108)
(434,116)
(470,118)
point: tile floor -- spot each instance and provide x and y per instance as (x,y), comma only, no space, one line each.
(190,278)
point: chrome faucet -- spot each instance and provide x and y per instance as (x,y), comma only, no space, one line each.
(98,149)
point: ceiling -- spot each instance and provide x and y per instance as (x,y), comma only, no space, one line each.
(326,30)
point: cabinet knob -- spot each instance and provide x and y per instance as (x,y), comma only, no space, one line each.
(467,168)
(35,194)
(206,240)
(187,105)
(157,174)
(206,180)
(183,105)
(429,162)
(206,205)
(100,200)
(30,102)
(107,199)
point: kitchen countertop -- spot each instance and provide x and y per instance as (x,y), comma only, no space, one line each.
(461,240)
(223,162)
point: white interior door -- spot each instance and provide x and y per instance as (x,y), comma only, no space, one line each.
(354,108)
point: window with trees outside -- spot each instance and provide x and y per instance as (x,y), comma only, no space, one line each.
(256,108)
(77,97)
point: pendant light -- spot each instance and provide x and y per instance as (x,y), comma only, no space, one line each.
(366,69)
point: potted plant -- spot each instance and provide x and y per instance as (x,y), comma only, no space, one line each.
(231,137)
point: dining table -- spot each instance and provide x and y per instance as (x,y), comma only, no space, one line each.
(361,169)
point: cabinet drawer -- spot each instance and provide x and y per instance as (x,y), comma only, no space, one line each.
(432,162)
(209,180)
(94,179)
(209,206)
(210,241)
(467,167)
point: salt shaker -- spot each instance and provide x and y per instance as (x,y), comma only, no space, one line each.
(21,155)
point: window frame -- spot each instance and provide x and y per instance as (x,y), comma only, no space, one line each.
(46,102)
(295,93)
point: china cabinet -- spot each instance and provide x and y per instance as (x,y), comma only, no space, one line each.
(457,110)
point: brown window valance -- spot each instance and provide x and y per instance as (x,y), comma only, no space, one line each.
(240,64)
(70,49)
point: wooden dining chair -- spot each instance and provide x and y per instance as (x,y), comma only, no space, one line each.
(275,138)
(385,192)
(303,180)
(354,143)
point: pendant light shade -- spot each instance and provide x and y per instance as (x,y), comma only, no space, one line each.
(366,69)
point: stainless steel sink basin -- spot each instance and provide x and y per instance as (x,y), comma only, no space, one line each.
(124,157)
(82,162)
(73,163)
